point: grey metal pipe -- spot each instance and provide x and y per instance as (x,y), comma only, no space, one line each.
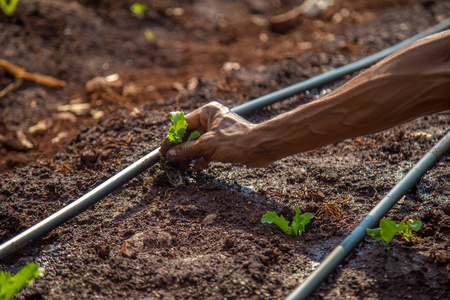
(340,253)
(150,159)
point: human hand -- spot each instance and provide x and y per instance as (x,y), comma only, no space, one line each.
(226,137)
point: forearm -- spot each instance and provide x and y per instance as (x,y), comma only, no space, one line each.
(409,84)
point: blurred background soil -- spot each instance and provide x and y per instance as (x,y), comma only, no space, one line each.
(123,75)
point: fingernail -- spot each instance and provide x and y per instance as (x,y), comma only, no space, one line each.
(171,154)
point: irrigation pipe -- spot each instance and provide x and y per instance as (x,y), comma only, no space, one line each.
(98,193)
(340,253)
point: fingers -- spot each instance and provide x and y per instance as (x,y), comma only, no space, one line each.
(203,117)
(185,152)
(209,121)
(200,164)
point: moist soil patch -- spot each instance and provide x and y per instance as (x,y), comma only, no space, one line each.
(205,240)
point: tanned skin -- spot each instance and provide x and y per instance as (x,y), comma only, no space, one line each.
(412,82)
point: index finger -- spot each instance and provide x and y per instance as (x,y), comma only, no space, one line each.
(202,116)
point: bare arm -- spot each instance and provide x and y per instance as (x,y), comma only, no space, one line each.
(411,83)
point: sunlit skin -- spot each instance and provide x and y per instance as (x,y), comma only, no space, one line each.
(412,82)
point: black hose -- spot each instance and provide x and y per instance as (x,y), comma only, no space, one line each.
(340,253)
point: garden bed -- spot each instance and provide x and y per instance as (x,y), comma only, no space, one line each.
(205,240)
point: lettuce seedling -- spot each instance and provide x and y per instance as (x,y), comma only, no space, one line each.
(297,225)
(138,10)
(178,129)
(10,285)
(388,229)
(9,8)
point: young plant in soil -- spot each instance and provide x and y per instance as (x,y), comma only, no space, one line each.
(297,225)
(138,10)
(10,285)
(177,134)
(388,229)
(9,8)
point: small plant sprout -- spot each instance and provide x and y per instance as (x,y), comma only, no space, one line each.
(178,129)
(149,35)
(138,10)
(10,285)
(297,225)
(388,229)
(175,136)
(9,8)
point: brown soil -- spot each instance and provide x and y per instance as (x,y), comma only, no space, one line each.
(205,240)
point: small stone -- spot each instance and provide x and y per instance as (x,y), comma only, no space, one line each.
(88,157)
(209,219)
(97,114)
(229,242)
(229,66)
(103,250)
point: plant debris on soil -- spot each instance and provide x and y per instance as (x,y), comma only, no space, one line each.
(123,75)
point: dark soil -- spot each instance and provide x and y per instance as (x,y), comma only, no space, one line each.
(205,240)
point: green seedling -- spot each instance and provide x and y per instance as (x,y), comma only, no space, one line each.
(297,225)
(138,10)
(178,129)
(10,285)
(149,35)
(9,8)
(388,229)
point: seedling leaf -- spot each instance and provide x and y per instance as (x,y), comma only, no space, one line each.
(138,10)
(300,221)
(388,229)
(271,217)
(193,136)
(178,129)
(297,225)
(10,285)
(176,132)
(414,225)
(9,8)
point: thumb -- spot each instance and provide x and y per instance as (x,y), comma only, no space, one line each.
(185,152)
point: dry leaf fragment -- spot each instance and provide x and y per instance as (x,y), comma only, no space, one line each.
(128,250)
(79,109)
(179,87)
(66,116)
(192,83)
(23,139)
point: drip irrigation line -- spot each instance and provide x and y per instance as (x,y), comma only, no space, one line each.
(340,253)
(334,74)
(98,193)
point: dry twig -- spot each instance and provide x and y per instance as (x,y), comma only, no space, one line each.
(20,74)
